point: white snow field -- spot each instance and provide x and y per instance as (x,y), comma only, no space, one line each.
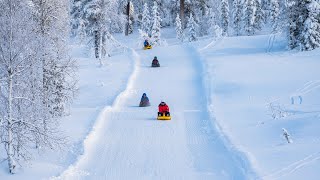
(229,101)
(249,85)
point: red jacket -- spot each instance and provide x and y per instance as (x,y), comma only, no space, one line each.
(163,108)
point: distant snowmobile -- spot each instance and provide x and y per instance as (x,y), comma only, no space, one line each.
(146,45)
(164,112)
(144,102)
(155,62)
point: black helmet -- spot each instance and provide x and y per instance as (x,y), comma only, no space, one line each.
(163,103)
(155,57)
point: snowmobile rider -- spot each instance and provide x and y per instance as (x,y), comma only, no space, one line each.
(146,43)
(163,108)
(144,100)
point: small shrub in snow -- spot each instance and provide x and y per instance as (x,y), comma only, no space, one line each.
(277,112)
(286,135)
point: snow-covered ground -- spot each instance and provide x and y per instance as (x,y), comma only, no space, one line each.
(254,94)
(229,101)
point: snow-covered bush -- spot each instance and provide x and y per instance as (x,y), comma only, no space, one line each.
(277,111)
(286,135)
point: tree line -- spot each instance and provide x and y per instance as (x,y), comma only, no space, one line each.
(298,20)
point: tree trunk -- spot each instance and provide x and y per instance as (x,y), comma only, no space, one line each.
(97,44)
(182,13)
(10,153)
(128,20)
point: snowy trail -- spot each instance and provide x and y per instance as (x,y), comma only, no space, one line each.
(131,144)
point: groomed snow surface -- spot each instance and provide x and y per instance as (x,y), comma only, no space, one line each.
(229,100)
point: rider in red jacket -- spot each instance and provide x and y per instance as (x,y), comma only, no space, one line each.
(163,108)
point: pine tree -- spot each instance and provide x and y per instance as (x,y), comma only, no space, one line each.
(292,25)
(156,26)
(237,16)
(310,32)
(274,14)
(249,17)
(225,16)
(179,30)
(191,26)
(146,24)
(259,15)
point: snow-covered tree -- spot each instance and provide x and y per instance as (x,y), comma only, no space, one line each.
(156,25)
(225,16)
(291,27)
(259,15)
(274,14)
(131,18)
(179,31)
(32,35)
(310,32)
(249,17)
(191,27)
(146,24)
(237,16)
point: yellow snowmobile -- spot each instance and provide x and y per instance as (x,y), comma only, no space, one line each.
(147,47)
(164,116)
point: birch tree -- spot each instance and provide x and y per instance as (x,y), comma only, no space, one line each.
(26,120)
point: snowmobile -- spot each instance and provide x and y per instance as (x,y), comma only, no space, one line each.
(164,116)
(147,47)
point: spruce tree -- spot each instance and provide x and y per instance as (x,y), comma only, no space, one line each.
(191,26)
(145,24)
(179,30)
(225,16)
(237,16)
(259,15)
(310,31)
(156,26)
(274,14)
(249,17)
